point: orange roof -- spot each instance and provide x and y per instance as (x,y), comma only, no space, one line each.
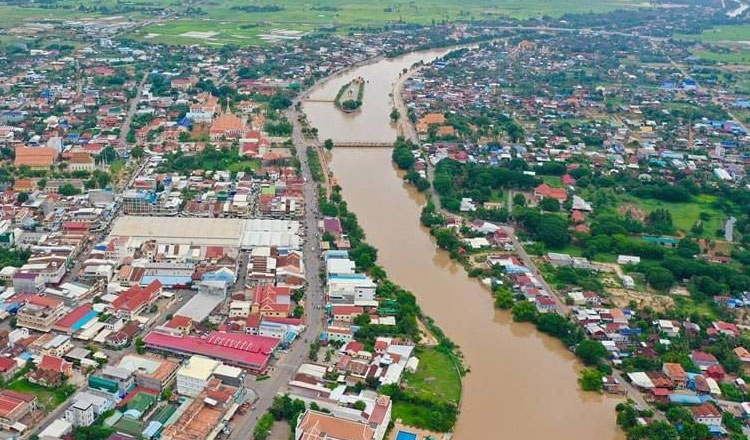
(24,185)
(227,122)
(81,157)
(545,190)
(315,425)
(35,157)
(136,296)
(446,130)
(433,118)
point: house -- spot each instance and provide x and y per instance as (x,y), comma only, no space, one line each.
(56,364)
(314,425)
(676,374)
(547,191)
(271,300)
(628,259)
(346,313)
(725,328)
(8,368)
(13,407)
(743,354)
(703,360)
(706,414)
(670,328)
(134,300)
(546,304)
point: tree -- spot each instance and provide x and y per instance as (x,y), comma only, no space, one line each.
(658,430)
(504,299)
(591,352)
(519,200)
(140,345)
(552,231)
(549,204)
(362,319)
(68,190)
(395,115)
(660,278)
(360,405)
(263,428)
(107,155)
(328,144)
(22,197)
(591,379)
(524,311)
(298,311)
(364,256)
(660,221)
(137,152)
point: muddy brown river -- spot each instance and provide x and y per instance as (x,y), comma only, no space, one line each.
(522,383)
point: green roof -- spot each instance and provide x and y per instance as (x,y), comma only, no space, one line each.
(142,402)
(129,426)
(165,414)
(101,383)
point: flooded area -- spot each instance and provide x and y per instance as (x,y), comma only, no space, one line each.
(522,383)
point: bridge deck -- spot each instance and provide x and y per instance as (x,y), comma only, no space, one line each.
(363,144)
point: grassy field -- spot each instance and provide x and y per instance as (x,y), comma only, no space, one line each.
(720,34)
(241,27)
(436,377)
(48,399)
(734,57)
(684,215)
(244,165)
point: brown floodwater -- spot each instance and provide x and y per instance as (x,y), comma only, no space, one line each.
(522,383)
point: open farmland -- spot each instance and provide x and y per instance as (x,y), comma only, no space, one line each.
(248,24)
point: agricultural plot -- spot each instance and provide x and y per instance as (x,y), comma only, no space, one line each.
(264,21)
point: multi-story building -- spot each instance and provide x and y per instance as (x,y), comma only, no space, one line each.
(150,372)
(140,202)
(80,413)
(40,313)
(13,407)
(195,374)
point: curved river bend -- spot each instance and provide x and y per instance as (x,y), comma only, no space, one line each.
(522,383)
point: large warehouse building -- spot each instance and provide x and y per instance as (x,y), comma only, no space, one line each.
(210,231)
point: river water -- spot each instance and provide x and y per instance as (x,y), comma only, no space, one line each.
(522,384)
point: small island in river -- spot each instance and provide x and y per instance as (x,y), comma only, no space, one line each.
(349,97)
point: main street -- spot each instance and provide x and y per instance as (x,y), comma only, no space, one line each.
(285,367)
(125,127)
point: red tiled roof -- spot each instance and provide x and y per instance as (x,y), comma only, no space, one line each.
(53,363)
(7,364)
(136,296)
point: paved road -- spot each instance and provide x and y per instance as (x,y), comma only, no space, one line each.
(125,128)
(284,369)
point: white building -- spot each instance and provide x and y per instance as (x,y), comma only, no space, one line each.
(80,413)
(193,376)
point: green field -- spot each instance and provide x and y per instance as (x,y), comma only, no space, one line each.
(684,215)
(49,399)
(436,377)
(242,27)
(731,33)
(734,57)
